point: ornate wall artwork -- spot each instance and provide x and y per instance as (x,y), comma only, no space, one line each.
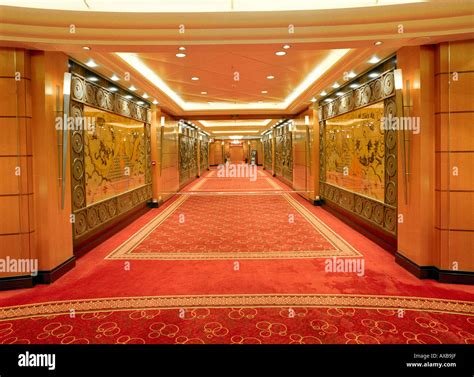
(354,148)
(350,136)
(111,133)
(204,153)
(187,158)
(267,153)
(114,155)
(283,153)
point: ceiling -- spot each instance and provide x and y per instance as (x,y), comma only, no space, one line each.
(231,51)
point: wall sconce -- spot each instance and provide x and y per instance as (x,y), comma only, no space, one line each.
(398,78)
(163,119)
(306,120)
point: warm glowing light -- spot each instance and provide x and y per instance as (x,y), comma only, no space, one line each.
(145,95)
(132,88)
(194,78)
(91,63)
(374,59)
(203,92)
(323,93)
(134,61)
(280,53)
(270,77)
(264,91)
(378,43)
(335,85)
(398,78)
(115,77)
(113,89)
(286,47)
(177,6)
(313,99)
(180,55)
(93,79)
(374,75)
(155,102)
(86,48)
(182,48)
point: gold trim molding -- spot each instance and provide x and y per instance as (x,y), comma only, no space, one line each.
(424,304)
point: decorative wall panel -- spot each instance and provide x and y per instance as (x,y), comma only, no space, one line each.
(109,134)
(350,136)
(204,153)
(267,152)
(283,153)
(187,158)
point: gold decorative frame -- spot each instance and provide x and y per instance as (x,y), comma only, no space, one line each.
(89,218)
(284,152)
(382,215)
(267,152)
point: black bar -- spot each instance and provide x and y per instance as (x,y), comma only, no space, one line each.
(240,360)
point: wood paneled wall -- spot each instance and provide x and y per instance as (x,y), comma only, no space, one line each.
(17,225)
(454,116)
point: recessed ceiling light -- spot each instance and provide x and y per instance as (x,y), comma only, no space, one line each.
(335,85)
(378,43)
(351,74)
(132,88)
(354,86)
(182,48)
(323,93)
(128,96)
(264,91)
(286,47)
(155,102)
(180,55)
(280,53)
(115,77)
(270,77)
(339,94)
(374,59)
(91,63)
(93,79)
(328,100)
(203,92)
(313,99)
(145,95)
(113,89)
(140,102)
(194,78)
(87,48)
(374,75)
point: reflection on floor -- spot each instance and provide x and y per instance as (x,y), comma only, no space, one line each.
(242,264)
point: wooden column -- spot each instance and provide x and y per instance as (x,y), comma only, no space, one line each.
(416,236)
(155,151)
(17,225)
(53,225)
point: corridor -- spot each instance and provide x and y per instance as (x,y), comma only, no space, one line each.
(219,172)
(235,260)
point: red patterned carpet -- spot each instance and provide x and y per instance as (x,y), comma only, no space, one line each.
(236,267)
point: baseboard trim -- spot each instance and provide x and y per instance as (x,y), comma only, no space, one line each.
(433,272)
(48,277)
(384,240)
(16,282)
(83,246)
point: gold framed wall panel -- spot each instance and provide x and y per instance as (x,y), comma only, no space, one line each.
(267,152)
(204,153)
(188,168)
(284,153)
(89,218)
(381,214)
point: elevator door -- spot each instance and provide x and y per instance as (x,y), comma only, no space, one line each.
(236,154)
